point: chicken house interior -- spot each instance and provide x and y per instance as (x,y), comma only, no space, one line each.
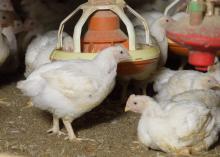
(109,78)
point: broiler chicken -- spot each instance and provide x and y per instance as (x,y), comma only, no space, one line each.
(214,70)
(32,30)
(211,98)
(39,50)
(188,127)
(186,80)
(12,62)
(161,77)
(4,53)
(68,89)
(157,30)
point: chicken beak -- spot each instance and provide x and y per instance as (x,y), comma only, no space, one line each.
(127,109)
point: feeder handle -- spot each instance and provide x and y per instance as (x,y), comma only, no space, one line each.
(130,28)
(61,27)
(144,22)
(168,11)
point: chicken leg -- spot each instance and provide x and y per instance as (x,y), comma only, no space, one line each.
(68,126)
(56,128)
(71,134)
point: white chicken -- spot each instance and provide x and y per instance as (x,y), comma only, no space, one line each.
(11,62)
(18,26)
(188,127)
(211,98)
(68,89)
(161,77)
(214,70)
(11,38)
(4,53)
(32,30)
(156,5)
(186,80)
(179,16)
(158,24)
(39,50)
(6,5)
(46,12)
(149,16)
(157,30)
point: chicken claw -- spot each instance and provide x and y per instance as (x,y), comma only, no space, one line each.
(54,131)
(56,128)
(2,101)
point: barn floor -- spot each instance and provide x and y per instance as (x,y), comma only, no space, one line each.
(23,131)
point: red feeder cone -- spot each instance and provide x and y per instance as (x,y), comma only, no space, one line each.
(103,31)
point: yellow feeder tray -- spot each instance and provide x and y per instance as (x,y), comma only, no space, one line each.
(140,58)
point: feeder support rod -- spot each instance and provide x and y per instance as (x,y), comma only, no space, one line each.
(78,28)
(144,22)
(169,7)
(61,28)
(128,24)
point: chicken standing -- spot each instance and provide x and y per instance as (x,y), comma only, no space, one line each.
(39,50)
(157,30)
(186,80)
(188,127)
(68,89)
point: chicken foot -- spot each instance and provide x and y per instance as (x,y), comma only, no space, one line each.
(2,101)
(71,135)
(56,128)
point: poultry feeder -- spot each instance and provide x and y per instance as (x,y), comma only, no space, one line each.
(199,34)
(103,31)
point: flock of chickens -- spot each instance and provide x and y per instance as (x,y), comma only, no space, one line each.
(182,118)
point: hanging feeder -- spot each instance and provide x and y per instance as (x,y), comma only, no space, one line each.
(197,36)
(103,18)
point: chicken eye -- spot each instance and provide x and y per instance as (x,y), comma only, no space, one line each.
(3,17)
(167,20)
(121,52)
(135,103)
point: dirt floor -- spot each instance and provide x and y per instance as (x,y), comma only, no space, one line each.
(23,131)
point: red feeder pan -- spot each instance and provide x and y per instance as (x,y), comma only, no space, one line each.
(203,41)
